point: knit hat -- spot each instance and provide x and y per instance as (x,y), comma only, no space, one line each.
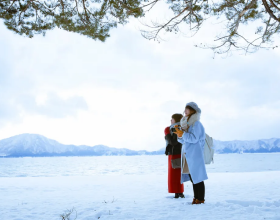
(177,117)
(194,106)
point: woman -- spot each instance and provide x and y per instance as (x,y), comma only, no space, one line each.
(192,137)
(173,150)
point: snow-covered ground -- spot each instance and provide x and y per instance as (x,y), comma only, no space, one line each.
(240,186)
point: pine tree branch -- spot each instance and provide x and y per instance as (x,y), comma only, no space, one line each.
(269,11)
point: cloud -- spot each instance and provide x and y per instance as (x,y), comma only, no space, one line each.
(54,106)
(123,92)
(15,106)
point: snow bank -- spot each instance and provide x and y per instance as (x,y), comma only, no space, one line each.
(228,196)
(239,187)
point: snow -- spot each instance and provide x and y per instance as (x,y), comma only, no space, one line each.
(34,143)
(26,145)
(255,146)
(240,186)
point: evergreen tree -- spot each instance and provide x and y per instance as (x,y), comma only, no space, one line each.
(95,18)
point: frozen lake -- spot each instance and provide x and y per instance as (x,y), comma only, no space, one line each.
(240,186)
(128,165)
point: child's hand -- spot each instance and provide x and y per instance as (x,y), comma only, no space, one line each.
(178,132)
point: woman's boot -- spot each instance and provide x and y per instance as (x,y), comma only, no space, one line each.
(193,202)
(198,201)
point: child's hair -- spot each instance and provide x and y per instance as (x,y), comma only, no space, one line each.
(177,117)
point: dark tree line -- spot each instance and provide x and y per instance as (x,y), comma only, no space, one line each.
(95,18)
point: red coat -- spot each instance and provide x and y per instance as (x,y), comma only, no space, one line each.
(174,176)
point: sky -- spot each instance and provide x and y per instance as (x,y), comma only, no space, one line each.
(122,93)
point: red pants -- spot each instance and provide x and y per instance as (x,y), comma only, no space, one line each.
(174,177)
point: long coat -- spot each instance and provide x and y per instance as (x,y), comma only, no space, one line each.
(174,176)
(173,150)
(192,147)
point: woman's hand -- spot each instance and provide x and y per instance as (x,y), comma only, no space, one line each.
(178,131)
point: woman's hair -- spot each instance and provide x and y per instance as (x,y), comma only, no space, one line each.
(193,111)
(177,117)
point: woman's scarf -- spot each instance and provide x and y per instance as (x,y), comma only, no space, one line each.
(185,124)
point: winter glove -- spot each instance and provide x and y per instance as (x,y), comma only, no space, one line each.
(167,131)
(178,132)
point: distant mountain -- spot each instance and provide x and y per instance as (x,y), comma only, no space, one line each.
(34,145)
(258,146)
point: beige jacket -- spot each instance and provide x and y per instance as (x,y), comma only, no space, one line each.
(185,165)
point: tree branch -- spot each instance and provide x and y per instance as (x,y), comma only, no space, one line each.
(269,11)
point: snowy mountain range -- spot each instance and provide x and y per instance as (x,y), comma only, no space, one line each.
(34,145)
(257,146)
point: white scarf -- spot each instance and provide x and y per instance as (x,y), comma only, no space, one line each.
(185,123)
